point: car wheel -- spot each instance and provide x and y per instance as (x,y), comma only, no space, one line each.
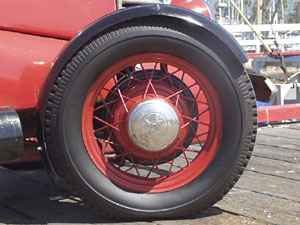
(145,121)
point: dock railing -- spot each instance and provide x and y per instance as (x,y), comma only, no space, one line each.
(287,36)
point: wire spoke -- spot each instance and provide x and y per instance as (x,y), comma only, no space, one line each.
(193,119)
(108,138)
(156,95)
(107,142)
(128,81)
(180,86)
(101,128)
(180,91)
(144,71)
(182,149)
(198,116)
(188,150)
(159,171)
(120,95)
(195,102)
(117,156)
(194,99)
(134,166)
(131,77)
(181,80)
(102,106)
(192,150)
(106,123)
(146,77)
(172,164)
(197,136)
(165,68)
(150,171)
(121,162)
(107,108)
(150,81)
(169,75)
(117,94)
(186,158)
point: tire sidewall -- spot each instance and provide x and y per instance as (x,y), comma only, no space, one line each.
(69,133)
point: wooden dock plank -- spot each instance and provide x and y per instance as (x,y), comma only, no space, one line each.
(269,152)
(280,131)
(275,168)
(277,187)
(267,193)
(283,143)
(295,126)
(261,206)
(43,202)
(9,215)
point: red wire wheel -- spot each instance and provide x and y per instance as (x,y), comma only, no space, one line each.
(152,123)
(153,118)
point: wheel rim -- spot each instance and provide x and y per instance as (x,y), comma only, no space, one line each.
(120,95)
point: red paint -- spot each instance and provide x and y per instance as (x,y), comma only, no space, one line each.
(24,62)
(195,5)
(278,112)
(28,156)
(135,92)
(25,59)
(53,18)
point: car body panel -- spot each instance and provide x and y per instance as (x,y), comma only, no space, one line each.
(52,18)
(30,48)
(24,62)
(31,39)
(195,5)
(164,11)
(25,59)
(64,19)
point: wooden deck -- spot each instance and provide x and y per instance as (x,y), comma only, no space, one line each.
(267,193)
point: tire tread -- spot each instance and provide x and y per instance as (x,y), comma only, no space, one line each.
(58,158)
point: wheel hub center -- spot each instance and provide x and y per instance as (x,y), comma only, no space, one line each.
(153,125)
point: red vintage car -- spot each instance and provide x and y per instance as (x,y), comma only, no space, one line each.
(145,111)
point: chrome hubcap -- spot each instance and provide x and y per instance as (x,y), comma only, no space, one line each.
(153,125)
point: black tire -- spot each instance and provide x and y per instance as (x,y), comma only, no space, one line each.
(63,122)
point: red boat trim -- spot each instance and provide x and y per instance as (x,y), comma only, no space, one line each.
(252,55)
(278,112)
